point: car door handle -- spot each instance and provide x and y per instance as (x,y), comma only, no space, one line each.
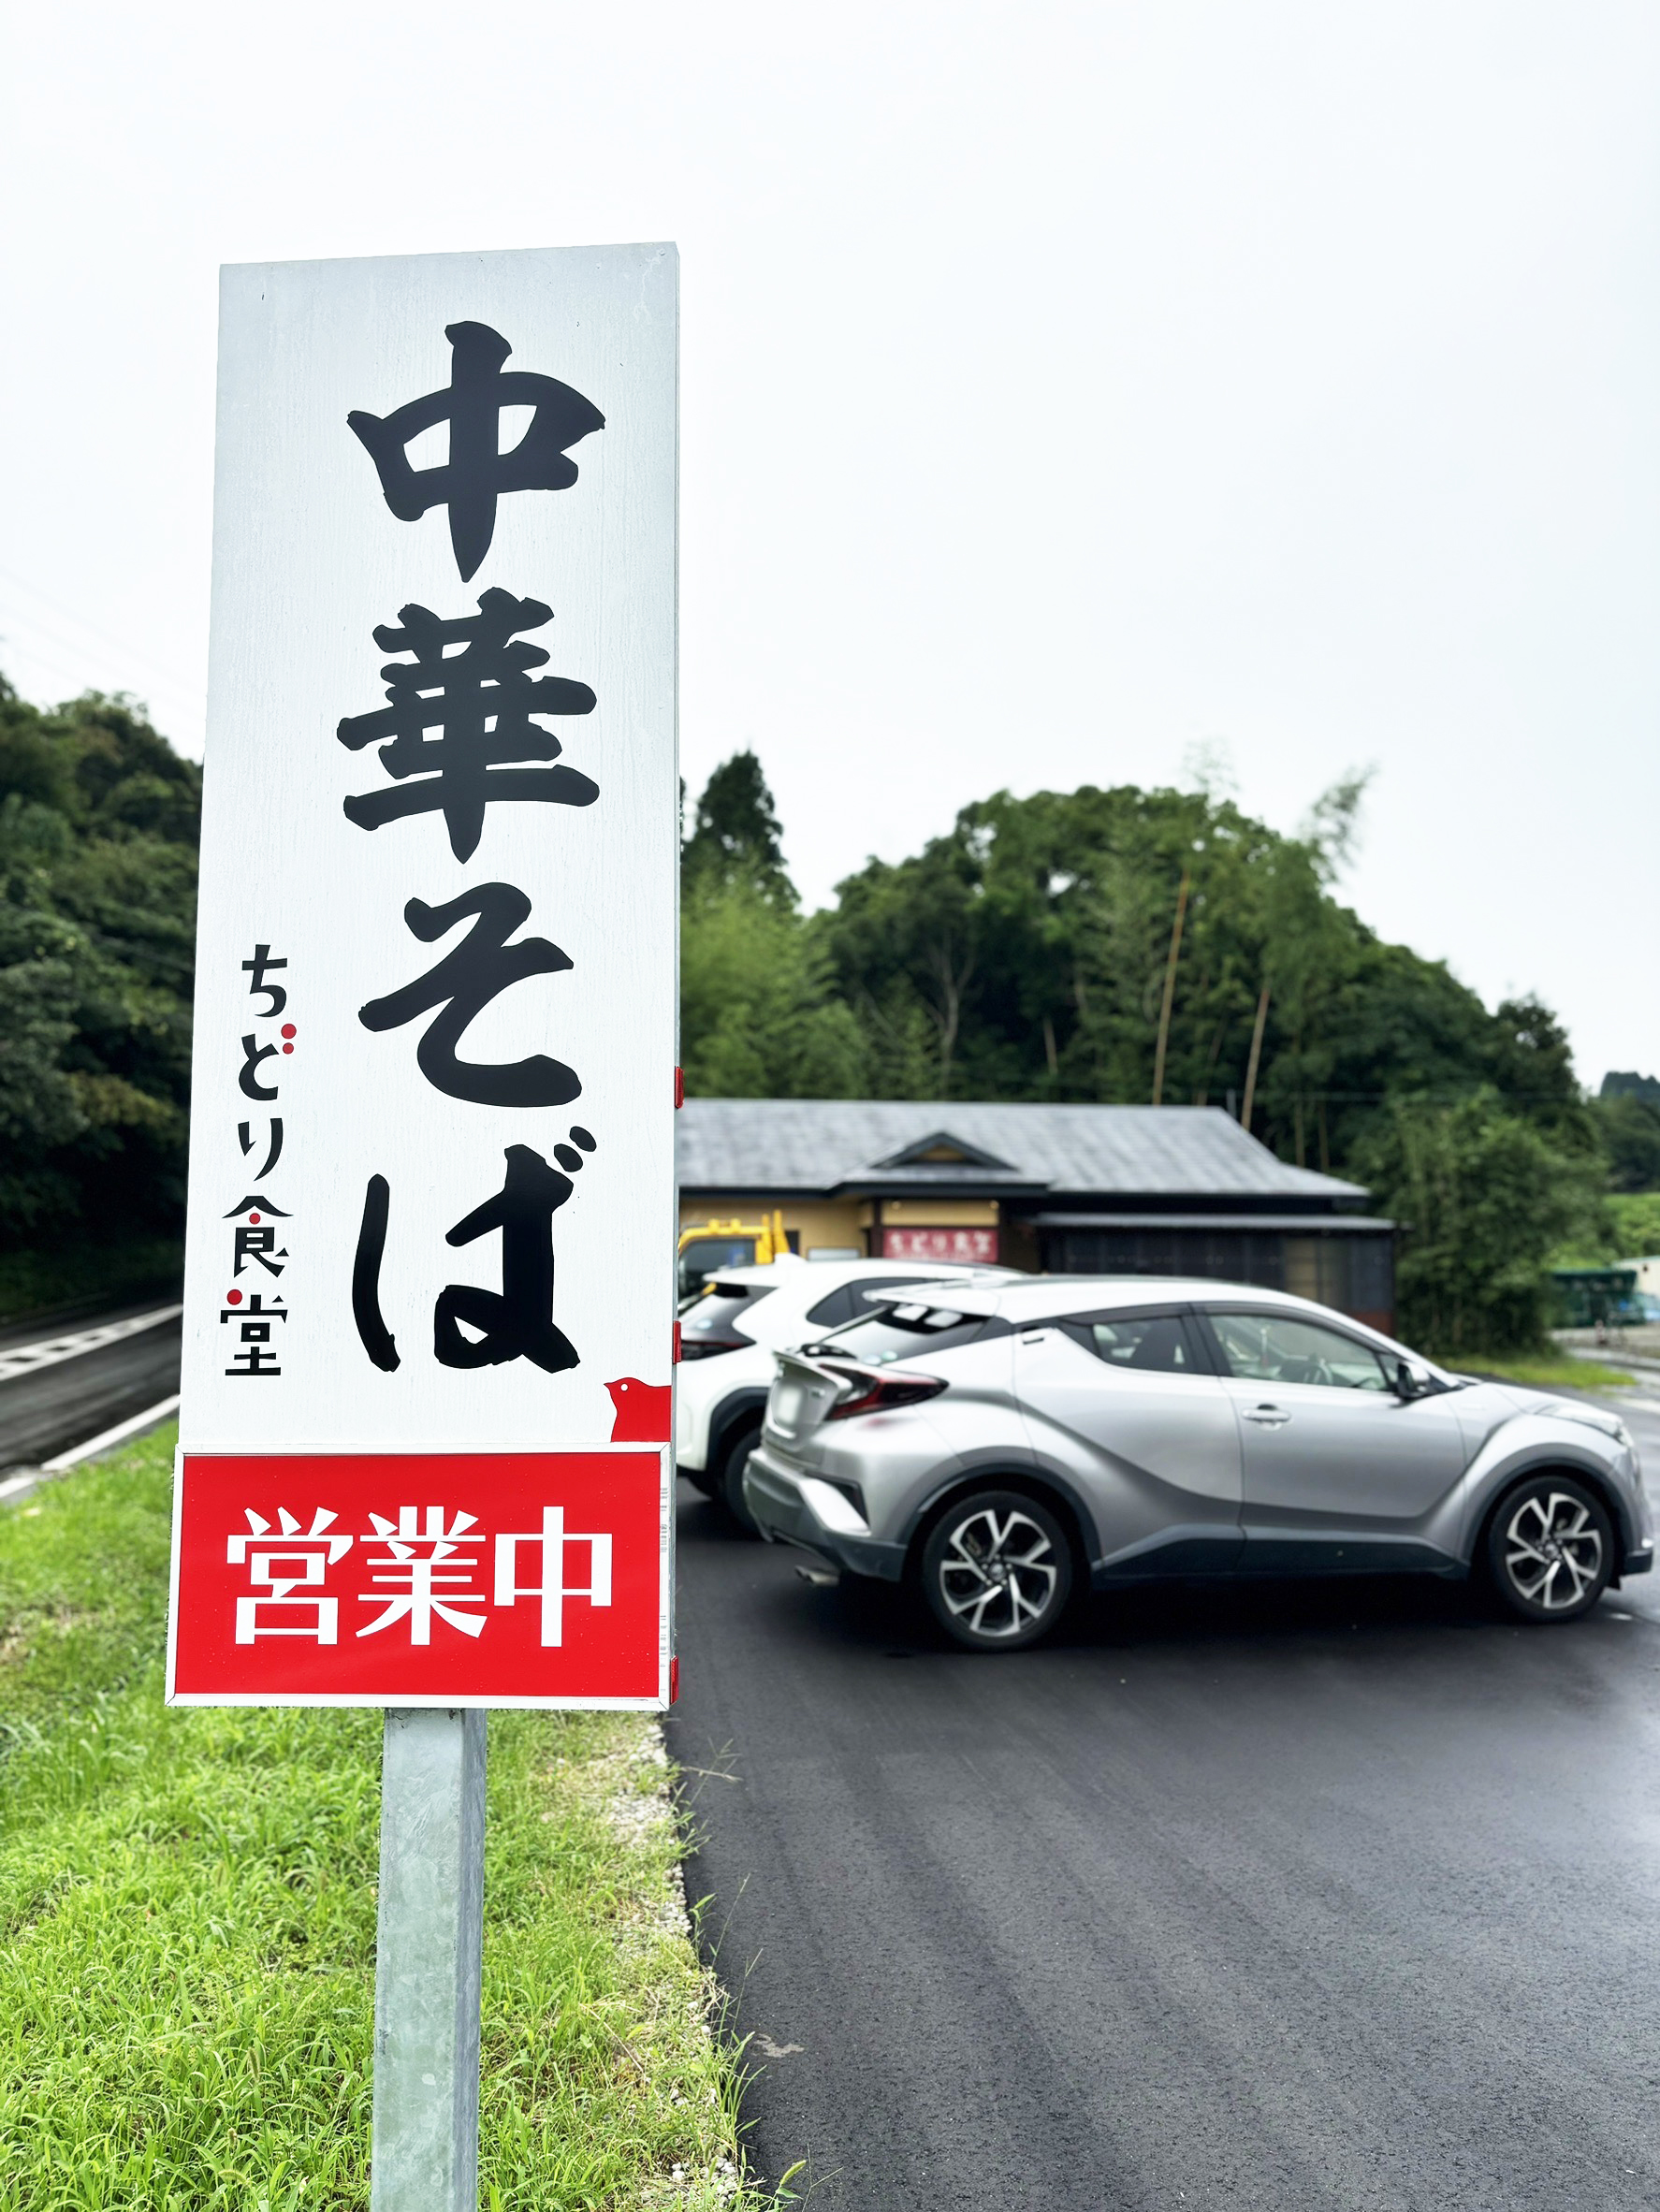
(1266,1417)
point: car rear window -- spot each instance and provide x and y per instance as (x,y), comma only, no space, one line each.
(890,1332)
(721,1304)
(850,1302)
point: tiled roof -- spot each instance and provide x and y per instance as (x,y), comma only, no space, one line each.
(820,1144)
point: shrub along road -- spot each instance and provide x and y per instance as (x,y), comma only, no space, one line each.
(1303,1896)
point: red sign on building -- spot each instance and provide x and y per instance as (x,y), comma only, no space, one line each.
(487,1578)
(979,1246)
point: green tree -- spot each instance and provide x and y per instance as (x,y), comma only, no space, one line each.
(1485,1196)
(909,940)
(1025,954)
(736,840)
(1633,1227)
(759,1015)
(1629,1129)
(98,828)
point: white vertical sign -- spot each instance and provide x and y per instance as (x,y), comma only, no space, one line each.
(429,1281)
(431,1175)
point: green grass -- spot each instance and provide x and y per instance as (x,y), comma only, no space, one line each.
(187,1922)
(1542,1373)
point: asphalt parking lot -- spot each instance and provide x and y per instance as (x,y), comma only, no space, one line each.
(1334,1896)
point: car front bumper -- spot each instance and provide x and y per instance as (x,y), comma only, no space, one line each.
(789,1509)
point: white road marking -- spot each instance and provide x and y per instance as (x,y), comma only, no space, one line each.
(26,1359)
(107,1437)
(18,1486)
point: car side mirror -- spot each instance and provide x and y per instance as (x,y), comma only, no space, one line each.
(1410,1381)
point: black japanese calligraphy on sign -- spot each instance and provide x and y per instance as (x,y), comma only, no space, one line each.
(376,1338)
(253,1330)
(517,1321)
(246,1139)
(253,1054)
(513,1323)
(477,472)
(463,984)
(259,967)
(463,725)
(480,703)
(256,1241)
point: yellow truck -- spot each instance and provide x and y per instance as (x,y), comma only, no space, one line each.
(707,1246)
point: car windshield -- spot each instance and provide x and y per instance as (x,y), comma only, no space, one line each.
(706,1256)
(890,1332)
(714,1313)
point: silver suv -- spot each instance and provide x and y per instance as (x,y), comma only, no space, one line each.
(1017,1442)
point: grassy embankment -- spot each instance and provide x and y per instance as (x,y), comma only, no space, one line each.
(187,1922)
(1542,1371)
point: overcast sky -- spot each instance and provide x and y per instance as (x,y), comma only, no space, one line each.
(1066,389)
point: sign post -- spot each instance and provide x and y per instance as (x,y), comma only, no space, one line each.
(424,1451)
(430,1954)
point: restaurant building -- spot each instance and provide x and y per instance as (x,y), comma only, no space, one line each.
(1111,1190)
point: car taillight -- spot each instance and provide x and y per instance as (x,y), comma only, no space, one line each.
(705,1347)
(881,1393)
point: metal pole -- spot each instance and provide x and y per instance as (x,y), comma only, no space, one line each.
(429,1957)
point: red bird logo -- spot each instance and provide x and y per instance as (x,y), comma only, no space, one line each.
(643,1411)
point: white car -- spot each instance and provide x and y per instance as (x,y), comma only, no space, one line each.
(728,1337)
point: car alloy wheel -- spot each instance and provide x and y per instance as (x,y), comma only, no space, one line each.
(1551,1549)
(997,1571)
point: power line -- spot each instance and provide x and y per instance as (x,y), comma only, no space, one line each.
(55,658)
(122,649)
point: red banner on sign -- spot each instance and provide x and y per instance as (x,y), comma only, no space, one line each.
(450,1578)
(978,1246)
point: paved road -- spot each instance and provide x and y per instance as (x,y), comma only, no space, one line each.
(65,1402)
(1334,1896)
